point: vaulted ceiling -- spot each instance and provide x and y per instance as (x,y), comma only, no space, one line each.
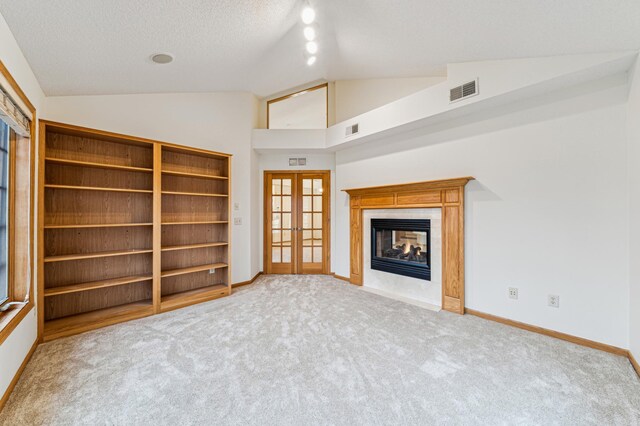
(103,47)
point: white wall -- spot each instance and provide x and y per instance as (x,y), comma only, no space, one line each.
(15,348)
(547,214)
(215,121)
(354,97)
(281,162)
(633,120)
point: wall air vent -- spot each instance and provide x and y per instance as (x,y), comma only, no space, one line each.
(463,91)
(351,130)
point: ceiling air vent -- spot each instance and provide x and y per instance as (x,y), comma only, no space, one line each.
(351,130)
(463,91)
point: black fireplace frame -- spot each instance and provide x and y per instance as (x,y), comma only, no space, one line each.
(401,267)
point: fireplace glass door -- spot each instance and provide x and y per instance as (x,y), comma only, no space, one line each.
(402,247)
(297,212)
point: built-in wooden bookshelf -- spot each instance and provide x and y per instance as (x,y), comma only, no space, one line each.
(129,227)
(195,230)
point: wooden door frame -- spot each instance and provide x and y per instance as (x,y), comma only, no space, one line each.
(326,230)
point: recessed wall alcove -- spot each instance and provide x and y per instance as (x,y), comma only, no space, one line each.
(445,194)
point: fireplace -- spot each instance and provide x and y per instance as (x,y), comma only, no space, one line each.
(402,246)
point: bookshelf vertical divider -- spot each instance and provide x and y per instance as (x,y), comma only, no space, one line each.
(157,226)
(128,227)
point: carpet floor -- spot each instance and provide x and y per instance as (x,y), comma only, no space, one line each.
(314,350)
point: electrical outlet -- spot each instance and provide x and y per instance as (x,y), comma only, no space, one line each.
(513,293)
(553,301)
(237,221)
(212,271)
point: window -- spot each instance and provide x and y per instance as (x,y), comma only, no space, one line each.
(17,170)
(306,109)
(4,212)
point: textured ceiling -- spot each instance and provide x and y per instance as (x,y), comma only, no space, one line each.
(103,47)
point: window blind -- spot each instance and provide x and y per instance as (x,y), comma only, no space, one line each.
(13,115)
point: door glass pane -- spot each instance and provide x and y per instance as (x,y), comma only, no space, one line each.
(286,220)
(276,204)
(286,254)
(317,203)
(275,222)
(317,235)
(276,186)
(286,238)
(306,220)
(306,203)
(306,255)
(286,204)
(286,186)
(306,186)
(317,242)
(317,254)
(306,238)
(275,237)
(317,220)
(317,186)
(275,255)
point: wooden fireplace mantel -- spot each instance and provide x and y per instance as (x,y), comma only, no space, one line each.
(445,194)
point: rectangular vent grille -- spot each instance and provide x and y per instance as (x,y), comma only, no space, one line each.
(463,91)
(351,130)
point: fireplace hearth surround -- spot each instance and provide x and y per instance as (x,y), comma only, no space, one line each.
(448,195)
(402,247)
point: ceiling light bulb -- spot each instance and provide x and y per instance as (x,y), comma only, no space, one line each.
(308,15)
(311,60)
(312,47)
(309,33)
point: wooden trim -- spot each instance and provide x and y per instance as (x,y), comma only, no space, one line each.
(551,333)
(243,283)
(10,320)
(447,195)
(411,187)
(290,95)
(633,362)
(70,128)
(156,262)
(41,227)
(17,376)
(340,277)
(16,87)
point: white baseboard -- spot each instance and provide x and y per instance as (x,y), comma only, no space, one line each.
(419,303)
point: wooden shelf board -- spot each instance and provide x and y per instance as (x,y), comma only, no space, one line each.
(96,165)
(96,225)
(195,175)
(66,257)
(75,288)
(205,222)
(95,319)
(178,300)
(192,269)
(95,188)
(195,194)
(194,246)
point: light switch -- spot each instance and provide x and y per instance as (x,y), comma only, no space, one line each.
(237,221)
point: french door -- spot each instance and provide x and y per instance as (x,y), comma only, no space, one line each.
(296,222)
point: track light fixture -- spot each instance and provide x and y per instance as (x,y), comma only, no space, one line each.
(308,17)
